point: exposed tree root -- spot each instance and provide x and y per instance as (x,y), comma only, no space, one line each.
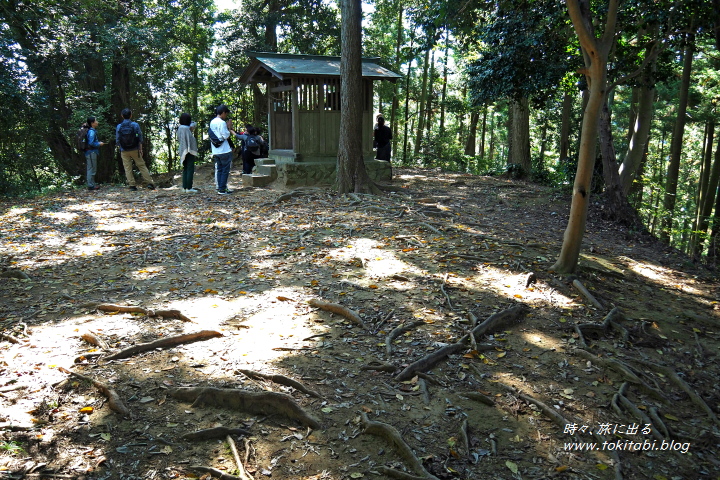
(585,293)
(390,433)
(9,338)
(391,472)
(93,339)
(464,438)
(673,376)
(19,274)
(281,380)
(214,472)
(214,433)
(107,307)
(430,361)
(114,401)
(242,473)
(165,343)
(498,321)
(396,332)
(501,320)
(338,309)
(559,420)
(265,403)
(379,367)
(620,400)
(611,320)
(478,397)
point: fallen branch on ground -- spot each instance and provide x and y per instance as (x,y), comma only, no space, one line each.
(242,473)
(282,380)
(114,401)
(338,309)
(265,403)
(107,307)
(213,433)
(390,433)
(93,339)
(585,293)
(165,343)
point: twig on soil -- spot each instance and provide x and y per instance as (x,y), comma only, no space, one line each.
(387,317)
(214,472)
(215,432)
(424,389)
(430,227)
(165,343)
(338,309)
(379,367)
(282,380)
(479,397)
(390,433)
(242,473)
(585,293)
(447,297)
(265,403)
(396,332)
(114,401)
(464,438)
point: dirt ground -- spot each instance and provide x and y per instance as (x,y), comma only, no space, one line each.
(531,373)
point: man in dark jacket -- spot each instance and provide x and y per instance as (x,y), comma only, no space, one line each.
(382,136)
(129,138)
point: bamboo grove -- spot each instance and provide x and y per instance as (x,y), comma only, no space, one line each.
(490,88)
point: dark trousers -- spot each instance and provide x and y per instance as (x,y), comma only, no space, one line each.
(383,153)
(248,159)
(188,171)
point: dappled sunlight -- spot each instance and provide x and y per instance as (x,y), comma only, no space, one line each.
(378,262)
(146,273)
(543,341)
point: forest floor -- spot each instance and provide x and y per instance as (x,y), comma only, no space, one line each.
(277,317)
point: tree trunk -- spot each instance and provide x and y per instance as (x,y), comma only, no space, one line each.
(470,143)
(443,99)
(482,135)
(676,143)
(519,136)
(595,52)
(421,107)
(707,203)
(638,139)
(407,111)
(396,85)
(351,173)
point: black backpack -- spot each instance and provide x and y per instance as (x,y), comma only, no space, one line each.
(252,143)
(81,140)
(214,138)
(128,138)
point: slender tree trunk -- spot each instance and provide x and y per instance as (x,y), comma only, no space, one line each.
(638,139)
(492,138)
(421,106)
(407,111)
(595,52)
(702,192)
(470,143)
(396,85)
(565,127)
(707,203)
(676,143)
(429,107)
(482,136)
(351,173)
(443,100)
(519,136)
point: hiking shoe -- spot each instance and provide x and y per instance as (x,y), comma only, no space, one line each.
(192,190)
(150,186)
(94,188)
(224,192)
(132,188)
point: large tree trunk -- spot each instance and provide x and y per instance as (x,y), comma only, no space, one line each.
(595,52)
(482,134)
(673,172)
(351,173)
(519,136)
(119,99)
(617,206)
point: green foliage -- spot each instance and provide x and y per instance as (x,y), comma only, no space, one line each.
(12,447)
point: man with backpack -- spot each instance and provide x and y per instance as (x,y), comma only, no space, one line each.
(252,147)
(89,144)
(381,139)
(129,138)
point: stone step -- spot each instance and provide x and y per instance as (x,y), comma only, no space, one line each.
(269,170)
(255,180)
(264,161)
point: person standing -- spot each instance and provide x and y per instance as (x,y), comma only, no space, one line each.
(382,136)
(92,153)
(188,151)
(129,138)
(222,155)
(252,143)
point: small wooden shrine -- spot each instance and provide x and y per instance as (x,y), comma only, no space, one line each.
(304,114)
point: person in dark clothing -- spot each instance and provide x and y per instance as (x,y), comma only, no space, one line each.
(381,139)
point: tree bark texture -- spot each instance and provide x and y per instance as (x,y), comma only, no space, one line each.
(567,104)
(519,134)
(351,173)
(470,144)
(638,139)
(421,107)
(595,52)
